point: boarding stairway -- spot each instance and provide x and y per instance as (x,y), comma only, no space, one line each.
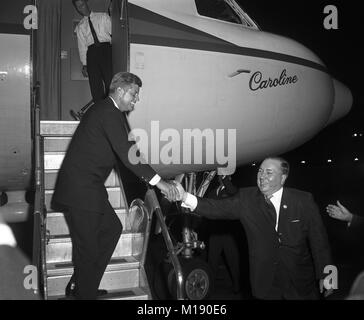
(125,277)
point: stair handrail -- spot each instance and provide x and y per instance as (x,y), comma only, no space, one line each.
(39,232)
(152,204)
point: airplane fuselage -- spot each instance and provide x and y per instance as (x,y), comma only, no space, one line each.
(205,73)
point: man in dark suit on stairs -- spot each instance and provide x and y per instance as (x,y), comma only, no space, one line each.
(99,140)
(288,244)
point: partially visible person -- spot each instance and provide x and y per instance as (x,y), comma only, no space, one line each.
(348,247)
(357,289)
(340,212)
(288,244)
(94,45)
(12,264)
(223,235)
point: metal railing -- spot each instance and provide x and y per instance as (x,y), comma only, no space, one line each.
(39,228)
(152,206)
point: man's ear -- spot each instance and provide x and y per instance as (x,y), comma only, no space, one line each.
(121,90)
(284,178)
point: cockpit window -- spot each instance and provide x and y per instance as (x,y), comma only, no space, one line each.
(225,10)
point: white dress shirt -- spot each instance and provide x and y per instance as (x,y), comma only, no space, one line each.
(191,202)
(276,200)
(102,25)
(156,178)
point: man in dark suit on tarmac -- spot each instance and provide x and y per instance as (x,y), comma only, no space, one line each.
(288,245)
(223,235)
(99,140)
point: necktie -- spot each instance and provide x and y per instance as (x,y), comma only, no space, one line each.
(271,208)
(94,35)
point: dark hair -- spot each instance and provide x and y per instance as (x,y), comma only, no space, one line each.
(124,80)
(284,164)
(74,2)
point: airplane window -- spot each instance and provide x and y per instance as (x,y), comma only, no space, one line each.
(217,9)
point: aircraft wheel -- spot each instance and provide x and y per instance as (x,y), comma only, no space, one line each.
(197,285)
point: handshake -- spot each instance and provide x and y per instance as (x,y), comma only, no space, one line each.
(172,190)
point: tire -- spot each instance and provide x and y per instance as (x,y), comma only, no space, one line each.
(197,279)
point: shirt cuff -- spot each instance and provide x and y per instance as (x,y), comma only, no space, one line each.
(6,236)
(155,180)
(190,202)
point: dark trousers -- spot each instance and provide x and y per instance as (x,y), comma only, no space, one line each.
(99,69)
(225,243)
(94,238)
(283,288)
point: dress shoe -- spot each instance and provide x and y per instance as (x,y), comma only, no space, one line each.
(71,290)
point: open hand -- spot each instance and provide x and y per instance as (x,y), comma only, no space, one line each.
(339,212)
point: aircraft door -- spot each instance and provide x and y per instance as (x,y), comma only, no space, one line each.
(15,132)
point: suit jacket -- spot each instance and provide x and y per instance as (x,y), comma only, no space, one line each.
(100,138)
(300,245)
(357,221)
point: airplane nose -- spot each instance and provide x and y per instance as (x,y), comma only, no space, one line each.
(342,103)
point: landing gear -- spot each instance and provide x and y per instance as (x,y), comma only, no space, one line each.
(198,283)
(183,262)
(197,276)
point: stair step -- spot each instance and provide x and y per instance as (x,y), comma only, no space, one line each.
(53,160)
(119,263)
(120,273)
(58,128)
(56,144)
(111,280)
(125,294)
(59,249)
(115,198)
(56,224)
(50,177)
